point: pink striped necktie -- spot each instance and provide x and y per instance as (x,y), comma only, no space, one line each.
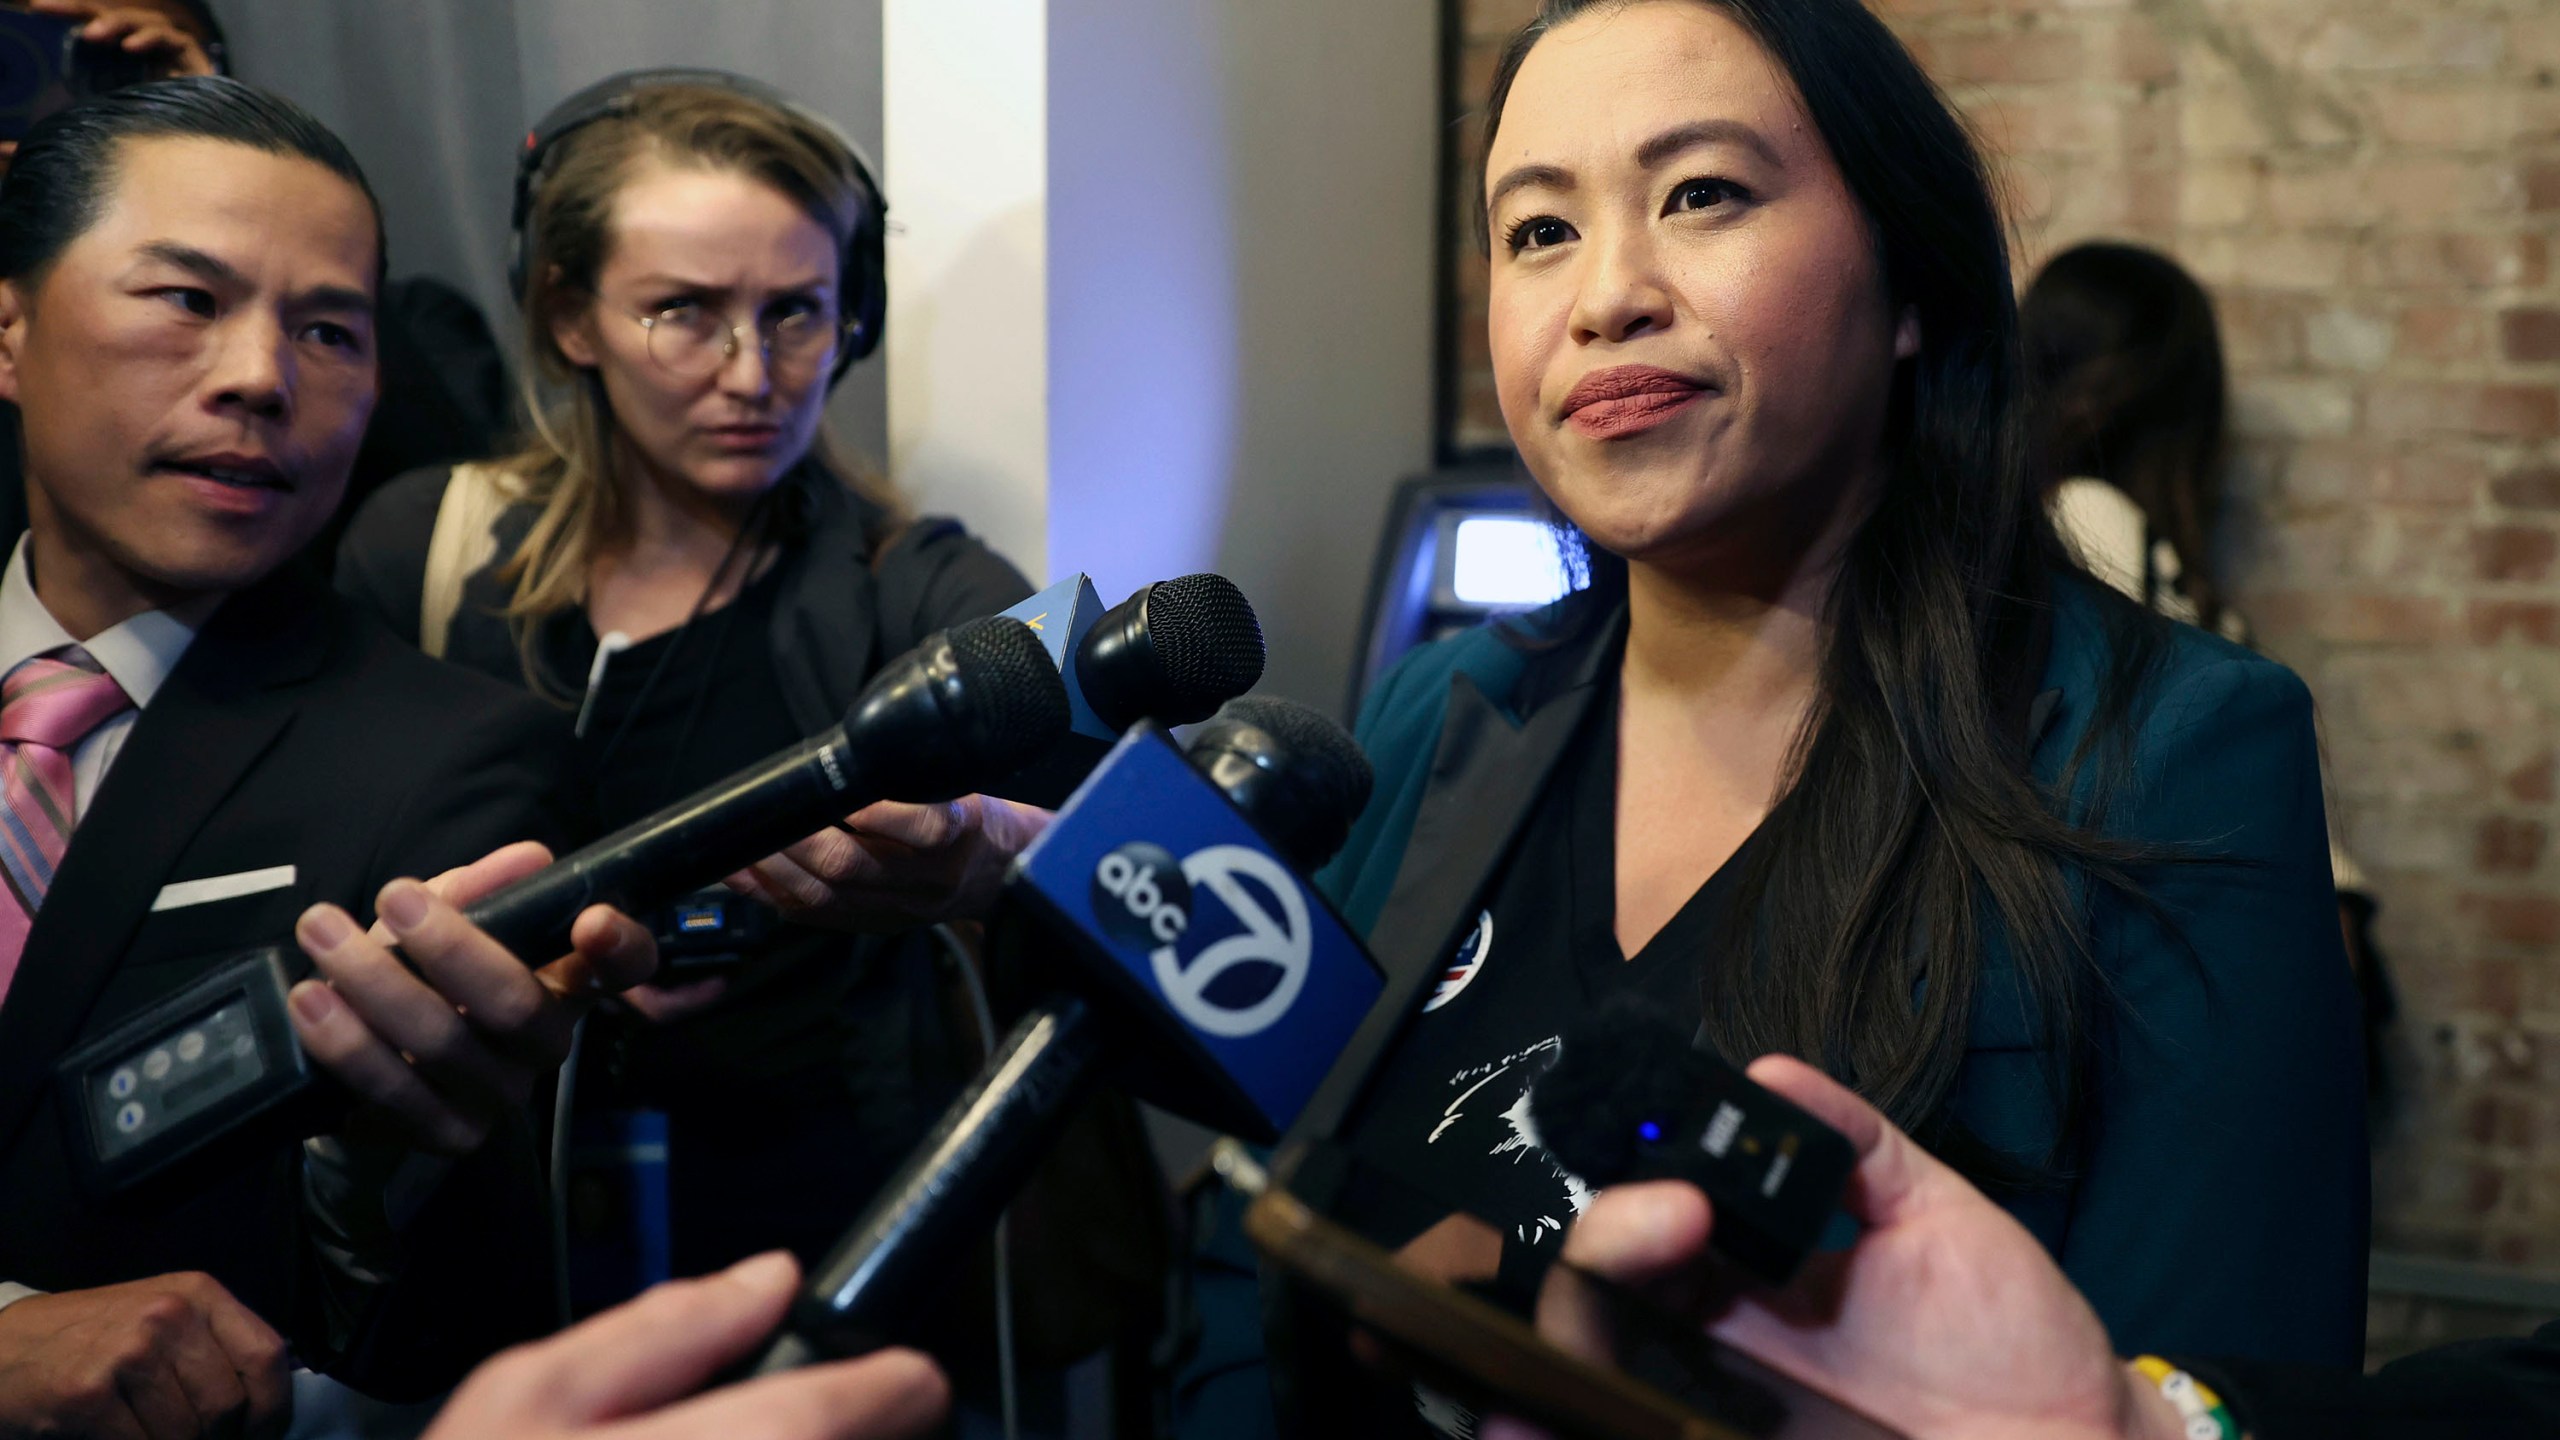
(47,707)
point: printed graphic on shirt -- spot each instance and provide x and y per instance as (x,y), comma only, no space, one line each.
(1443,1414)
(1464,965)
(1490,1116)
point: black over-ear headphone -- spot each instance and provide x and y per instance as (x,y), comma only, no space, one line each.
(863,279)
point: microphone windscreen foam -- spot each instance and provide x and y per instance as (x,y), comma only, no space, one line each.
(1326,760)
(1207,641)
(1017,703)
(1623,1065)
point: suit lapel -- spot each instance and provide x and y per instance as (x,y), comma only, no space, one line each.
(1487,772)
(221,709)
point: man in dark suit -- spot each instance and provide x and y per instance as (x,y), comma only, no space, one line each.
(200,750)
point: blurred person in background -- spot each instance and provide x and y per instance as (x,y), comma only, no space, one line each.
(2130,396)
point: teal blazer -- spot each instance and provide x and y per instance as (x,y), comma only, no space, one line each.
(2217,1198)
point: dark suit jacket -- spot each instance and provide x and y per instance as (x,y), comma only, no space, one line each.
(293,731)
(2218,1199)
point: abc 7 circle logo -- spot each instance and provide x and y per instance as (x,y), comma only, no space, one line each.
(1143,896)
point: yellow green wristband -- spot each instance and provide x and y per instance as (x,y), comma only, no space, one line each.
(2206,1417)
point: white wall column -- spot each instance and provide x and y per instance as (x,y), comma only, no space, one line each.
(1161,289)
(965,122)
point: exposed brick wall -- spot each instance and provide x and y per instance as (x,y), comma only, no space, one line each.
(2370,188)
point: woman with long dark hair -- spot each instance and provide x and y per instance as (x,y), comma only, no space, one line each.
(1838,753)
(2125,364)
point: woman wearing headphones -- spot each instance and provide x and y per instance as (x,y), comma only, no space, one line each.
(678,560)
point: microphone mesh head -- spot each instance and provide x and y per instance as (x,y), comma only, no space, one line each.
(1017,703)
(1337,773)
(1207,641)
(1622,1065)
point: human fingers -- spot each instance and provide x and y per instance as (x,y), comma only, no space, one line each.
(256,1353)
(1004,826)
(148,1385)
(420,1012)
(876,865)
(201,1370)
(153,1333)
(786,880)
(887,1395)
(609,952)
(469,972)
(1630,1234)
(1638,1232)
(665,1003)
(343,1044)
(639,1356)
(1893,1171)
(465,885)
(137,32)
(918,827)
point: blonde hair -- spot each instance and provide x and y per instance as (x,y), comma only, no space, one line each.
(567,467)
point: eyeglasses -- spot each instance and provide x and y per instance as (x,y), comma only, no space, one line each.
(691,341)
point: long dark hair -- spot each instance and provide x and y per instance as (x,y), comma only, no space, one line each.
(2124,365)
(1911,832)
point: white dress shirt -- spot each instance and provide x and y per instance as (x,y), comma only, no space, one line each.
(139,653)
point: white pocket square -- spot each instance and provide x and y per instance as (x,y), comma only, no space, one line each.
(184,893)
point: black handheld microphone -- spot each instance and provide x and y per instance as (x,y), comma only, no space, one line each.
(1630,1098)
(1168,896)
(971,702)
(178,1076)
(1172,653)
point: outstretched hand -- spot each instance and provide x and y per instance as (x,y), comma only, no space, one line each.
(437,1052)
(1946,1319)
(628,1372)
(136,30)
(894,866)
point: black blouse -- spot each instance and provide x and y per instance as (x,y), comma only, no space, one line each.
(1445,1125)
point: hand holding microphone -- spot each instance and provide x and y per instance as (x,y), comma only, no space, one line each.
(1945,1318)
(391,1024)
(631,1373)
(894,865)
(1187,954)
(968,705)
(1173,652)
